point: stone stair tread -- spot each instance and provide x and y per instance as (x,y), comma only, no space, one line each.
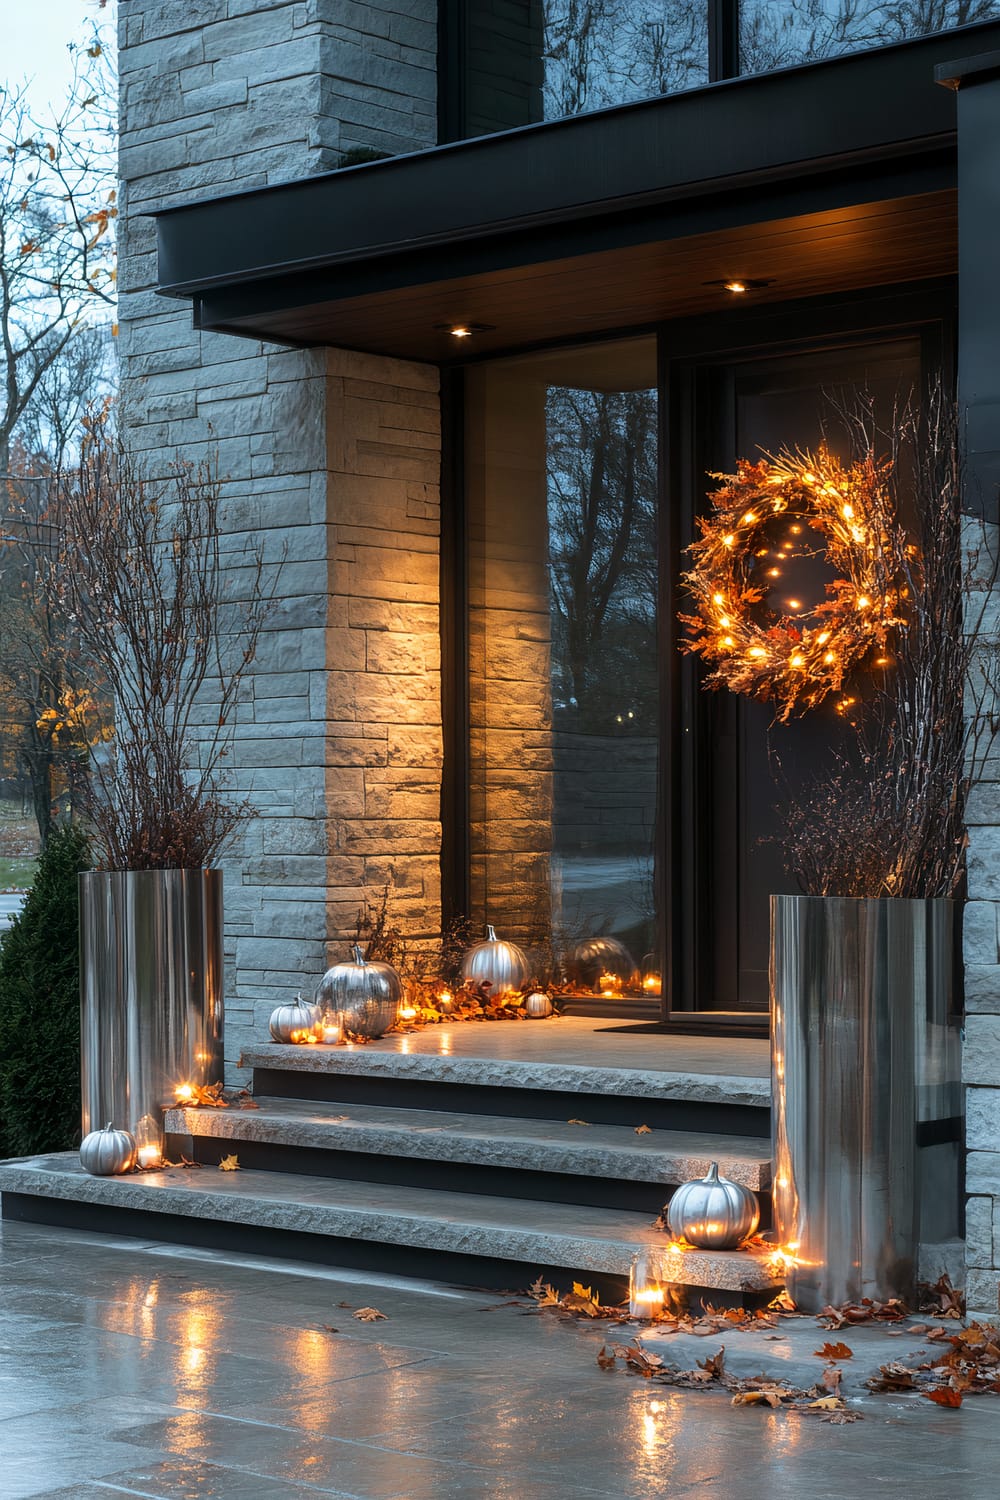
(598,1150)
(557,1234)
(506,1073)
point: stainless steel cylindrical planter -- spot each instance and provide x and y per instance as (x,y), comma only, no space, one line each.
(865,1069)
(151,984)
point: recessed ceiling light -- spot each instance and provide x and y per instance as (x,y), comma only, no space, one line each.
(740,284)
(463,330)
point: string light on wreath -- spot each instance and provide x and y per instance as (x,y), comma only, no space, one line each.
(796,656)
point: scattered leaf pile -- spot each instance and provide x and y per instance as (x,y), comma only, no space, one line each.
(583,1302)
(369,1315)
(164,1164)
(970,1366)
(941,1300)
(229,1164)
(819,1400)
(217,1096)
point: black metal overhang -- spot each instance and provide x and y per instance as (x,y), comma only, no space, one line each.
(833,175)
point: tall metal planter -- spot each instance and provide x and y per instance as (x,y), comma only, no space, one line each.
(865,1063)
(151,987)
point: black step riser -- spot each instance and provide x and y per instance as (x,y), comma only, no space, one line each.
(522,1104)
(482,1272)
(454,1177)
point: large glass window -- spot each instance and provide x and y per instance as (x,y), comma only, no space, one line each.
(795,31)
(564,690)
(533,60)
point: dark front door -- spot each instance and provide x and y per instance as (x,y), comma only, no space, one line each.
(735,764)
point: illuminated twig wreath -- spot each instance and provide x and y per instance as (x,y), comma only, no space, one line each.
(795,659)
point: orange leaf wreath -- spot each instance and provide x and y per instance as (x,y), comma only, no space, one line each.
(796,661)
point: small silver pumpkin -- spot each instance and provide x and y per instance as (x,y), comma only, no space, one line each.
(298,1015)
(712,1212)
(364,994)
(107,1152)
(503,966)
(600,955)
(538,1006)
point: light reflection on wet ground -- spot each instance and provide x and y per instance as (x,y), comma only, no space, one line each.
(141,1371)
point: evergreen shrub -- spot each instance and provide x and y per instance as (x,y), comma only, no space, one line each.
(40,1007)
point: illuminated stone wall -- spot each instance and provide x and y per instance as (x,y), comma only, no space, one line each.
(332,458)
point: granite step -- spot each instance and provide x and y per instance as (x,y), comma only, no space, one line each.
(679,1100)
(607,1165)
(479,1239)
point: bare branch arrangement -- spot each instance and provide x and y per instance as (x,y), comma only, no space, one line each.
(153,601)
(889,819)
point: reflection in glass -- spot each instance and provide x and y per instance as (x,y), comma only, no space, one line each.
(777,35)
(534,60)
(564,696)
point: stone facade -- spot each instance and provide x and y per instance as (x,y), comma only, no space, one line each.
(331,458)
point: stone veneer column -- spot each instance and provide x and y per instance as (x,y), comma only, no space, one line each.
(331,457)
(979,397)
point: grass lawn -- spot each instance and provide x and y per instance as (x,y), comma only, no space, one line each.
(18,847)
(19,872)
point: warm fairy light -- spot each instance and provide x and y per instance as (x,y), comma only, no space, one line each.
(798,660)
(407,1012)
(749,518)
(735,286)
(783,1257)
(848,512)
(883,661)
(729,541)
(757,651)
(774,573)
(863,601)
(460,332)
(718,599)
(829,657)
(183,1092)
(795,604)
(727,640)
(304,1037)
(823,637)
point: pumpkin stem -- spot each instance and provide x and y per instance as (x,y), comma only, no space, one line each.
(491,936)
(359,957)
(713,1172)
(110,1125)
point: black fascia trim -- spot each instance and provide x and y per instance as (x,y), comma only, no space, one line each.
(224,309)
(786,122)
(956,75)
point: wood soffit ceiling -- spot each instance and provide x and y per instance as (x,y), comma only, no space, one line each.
(843,249)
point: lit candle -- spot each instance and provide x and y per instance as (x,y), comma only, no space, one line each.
(407,1012)
(149,1156)
(331,1033)
(651,984)
(646,1302)
(445,1002)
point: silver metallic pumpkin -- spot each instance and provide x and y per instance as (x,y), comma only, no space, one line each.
(600,955)
(538,1006)
(107,1152)
(503,966)
(364,994)
(712,1212)
(298,1015)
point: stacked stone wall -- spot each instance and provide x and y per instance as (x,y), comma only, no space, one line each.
(219,97)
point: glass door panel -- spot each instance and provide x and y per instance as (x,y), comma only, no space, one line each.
(563,673)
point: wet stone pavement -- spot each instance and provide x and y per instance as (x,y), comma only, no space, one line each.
(132,1369)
